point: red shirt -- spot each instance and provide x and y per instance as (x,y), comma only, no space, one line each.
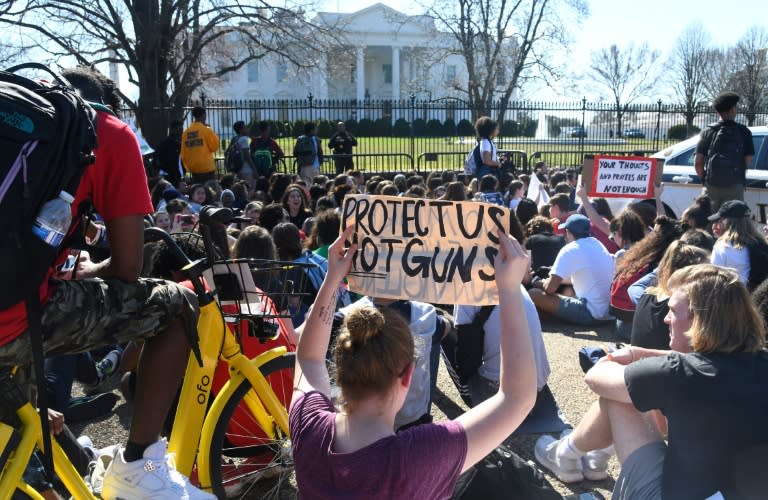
(117,186)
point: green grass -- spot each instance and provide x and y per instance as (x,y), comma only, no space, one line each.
(450,153)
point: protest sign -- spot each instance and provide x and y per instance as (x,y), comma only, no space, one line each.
(620,176)
(435,251)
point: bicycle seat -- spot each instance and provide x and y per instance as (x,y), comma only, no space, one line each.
(214,215)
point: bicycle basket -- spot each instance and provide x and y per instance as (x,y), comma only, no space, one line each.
(258,289)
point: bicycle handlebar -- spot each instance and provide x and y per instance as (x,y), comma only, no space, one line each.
(158,234)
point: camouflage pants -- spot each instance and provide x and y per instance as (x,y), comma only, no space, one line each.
(83,315)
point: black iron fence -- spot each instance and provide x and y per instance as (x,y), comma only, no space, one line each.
(437,134)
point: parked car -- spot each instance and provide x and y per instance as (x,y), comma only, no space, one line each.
(633,133)
(576,132)
(682,185)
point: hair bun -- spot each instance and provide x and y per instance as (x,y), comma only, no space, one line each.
(364,324)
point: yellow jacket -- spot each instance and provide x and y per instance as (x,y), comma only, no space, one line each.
(198,143)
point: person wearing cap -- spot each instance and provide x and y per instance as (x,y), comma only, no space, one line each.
(584,269)
(724,152)
(740,245)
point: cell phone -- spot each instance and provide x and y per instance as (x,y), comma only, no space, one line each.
(69,264)
(187,219)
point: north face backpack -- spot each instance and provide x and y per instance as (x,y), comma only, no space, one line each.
(725,157)
(304,151)
(47,135)
(233,157)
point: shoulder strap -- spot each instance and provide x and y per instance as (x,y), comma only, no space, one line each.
(483,315)
(34,320)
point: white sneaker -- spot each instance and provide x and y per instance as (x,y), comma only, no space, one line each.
(595,464)
(567,470)
(153,477)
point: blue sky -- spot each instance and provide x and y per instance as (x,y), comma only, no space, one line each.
(658,22)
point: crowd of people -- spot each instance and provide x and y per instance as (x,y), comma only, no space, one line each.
(681,404)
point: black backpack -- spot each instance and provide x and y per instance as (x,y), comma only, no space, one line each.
(47,135)
(502,474)
(725,156)
(47,138)
(233,157)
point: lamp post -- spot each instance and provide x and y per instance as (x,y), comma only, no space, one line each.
(310,98)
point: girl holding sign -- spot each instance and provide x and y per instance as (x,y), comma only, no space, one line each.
(355,452)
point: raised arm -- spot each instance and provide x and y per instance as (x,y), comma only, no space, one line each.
(310,372)
(594,217)
(660,210)
(492,421)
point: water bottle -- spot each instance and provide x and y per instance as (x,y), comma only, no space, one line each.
(54,219)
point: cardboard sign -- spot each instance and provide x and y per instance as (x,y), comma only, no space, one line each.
(428,250)
(621,177)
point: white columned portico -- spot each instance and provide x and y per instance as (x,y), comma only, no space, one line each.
(360,76)
(395,73)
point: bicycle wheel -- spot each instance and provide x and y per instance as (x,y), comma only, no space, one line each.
(244,462)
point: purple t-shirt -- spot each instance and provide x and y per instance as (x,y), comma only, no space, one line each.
(422,462)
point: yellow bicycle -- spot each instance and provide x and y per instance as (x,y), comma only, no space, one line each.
(225,445)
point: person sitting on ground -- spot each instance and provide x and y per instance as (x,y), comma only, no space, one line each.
(559,211)
(324,232)
(489,190)
(526,210)
(455,191)
(516,193)
(485,382)
(648,327)
(586,267)
(295,203)
(711,392)
(740,245)
(355,451)
(272,215)
(543,245)
(626,230)
(697,215)
(428,330)
(694,237)
(638,261)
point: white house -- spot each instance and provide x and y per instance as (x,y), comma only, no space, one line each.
(384,55)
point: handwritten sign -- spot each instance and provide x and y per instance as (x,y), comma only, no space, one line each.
(623,177)
(428,250)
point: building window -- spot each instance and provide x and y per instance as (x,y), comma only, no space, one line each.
(501,75)
(387,70)
(282,71)
(253,72)
(450,72)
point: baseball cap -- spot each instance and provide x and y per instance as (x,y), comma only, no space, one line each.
(577,224)
(731,209)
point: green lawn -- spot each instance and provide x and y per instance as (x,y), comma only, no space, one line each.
(448,153)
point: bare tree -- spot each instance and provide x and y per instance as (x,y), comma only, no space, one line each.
(750,79)
(626,73)
(689,65)
(503,42)
(168,47)
(721,70)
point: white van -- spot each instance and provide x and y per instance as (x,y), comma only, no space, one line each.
(682,185)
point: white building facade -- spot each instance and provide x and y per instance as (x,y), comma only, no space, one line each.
(384,55)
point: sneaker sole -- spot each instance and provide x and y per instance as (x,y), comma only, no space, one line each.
(563,477)
(595,475)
